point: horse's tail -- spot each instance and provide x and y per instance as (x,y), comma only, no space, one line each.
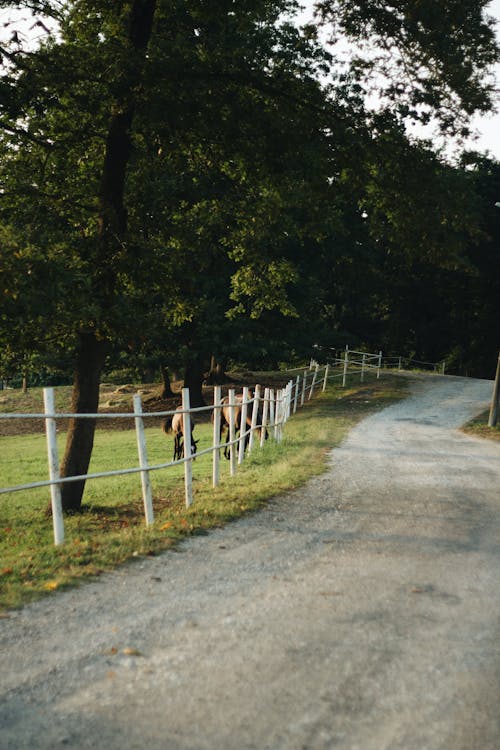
(167,425)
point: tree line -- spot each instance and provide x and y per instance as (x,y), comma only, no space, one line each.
(196,182)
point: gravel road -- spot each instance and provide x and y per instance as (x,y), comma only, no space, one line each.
(358,613)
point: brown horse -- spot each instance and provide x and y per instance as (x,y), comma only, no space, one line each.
(175,424)
(238,413)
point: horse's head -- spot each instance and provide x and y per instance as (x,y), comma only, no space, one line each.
(194,444)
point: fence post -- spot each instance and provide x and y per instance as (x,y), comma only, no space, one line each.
(346,365)
(255,416)
(313,382)
(363,362)
(296,397)
(243,426)
(188,458)
(278,415)
(400,364)
(147,496)
(265,412)
(494,401)
(289,390)
(216,437)
(53,457)
(443,368)
(326,378)
(272,412)
(232,432)
(379,364)
(304,384)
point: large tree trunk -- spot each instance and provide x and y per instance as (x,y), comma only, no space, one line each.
(217,374)
(80,439)
(110,243)
(193,379)
(167,391)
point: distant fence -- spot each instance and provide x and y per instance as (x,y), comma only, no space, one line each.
(269,410)
(389,362)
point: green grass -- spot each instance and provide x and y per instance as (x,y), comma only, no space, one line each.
(111,529)
(478,427)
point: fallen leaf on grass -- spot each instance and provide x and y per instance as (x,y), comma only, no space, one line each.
(51,585)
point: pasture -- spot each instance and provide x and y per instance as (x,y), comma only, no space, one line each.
(110,529)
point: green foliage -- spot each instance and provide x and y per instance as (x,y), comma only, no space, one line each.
(252,195)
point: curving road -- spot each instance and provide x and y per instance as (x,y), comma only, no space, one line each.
(358,613)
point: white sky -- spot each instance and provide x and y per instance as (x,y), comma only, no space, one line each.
(487,127)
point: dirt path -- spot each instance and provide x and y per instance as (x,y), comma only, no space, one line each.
(359,613)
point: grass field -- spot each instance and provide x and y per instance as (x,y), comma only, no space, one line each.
(111,529)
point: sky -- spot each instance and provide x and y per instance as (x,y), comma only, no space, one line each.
(487,127)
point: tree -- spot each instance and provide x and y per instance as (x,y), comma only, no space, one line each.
(171,167)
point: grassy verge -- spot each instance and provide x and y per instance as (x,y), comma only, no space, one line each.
(478,427)
(110,529)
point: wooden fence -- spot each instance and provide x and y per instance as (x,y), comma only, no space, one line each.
(269,410)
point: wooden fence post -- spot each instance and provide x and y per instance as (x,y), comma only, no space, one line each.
(232,432)
(243,425)
(272,412)
(304,384)
(289,399)
(280,414)
(325,378)
(494,400)
(53,457)
(147,495)
(346,365)
(265,412)
(296,397)
(255,417)
(379,364)
(315,375)
(363,363)
(216,437)
(188,462)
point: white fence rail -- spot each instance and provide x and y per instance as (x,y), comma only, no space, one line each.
(269,412)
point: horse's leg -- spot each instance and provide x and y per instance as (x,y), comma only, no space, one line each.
(178,447)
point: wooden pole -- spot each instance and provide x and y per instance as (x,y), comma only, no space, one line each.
(315,375)
(147,495)
(304,384)
(265,412)
(494,401)
(232,432)
(243,425)
(55,489)
(216,437)
(326,378)
(255,417)
(296,397)
(346,365)
(188,464)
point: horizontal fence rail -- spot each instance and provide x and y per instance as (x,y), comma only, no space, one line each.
(261,412)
